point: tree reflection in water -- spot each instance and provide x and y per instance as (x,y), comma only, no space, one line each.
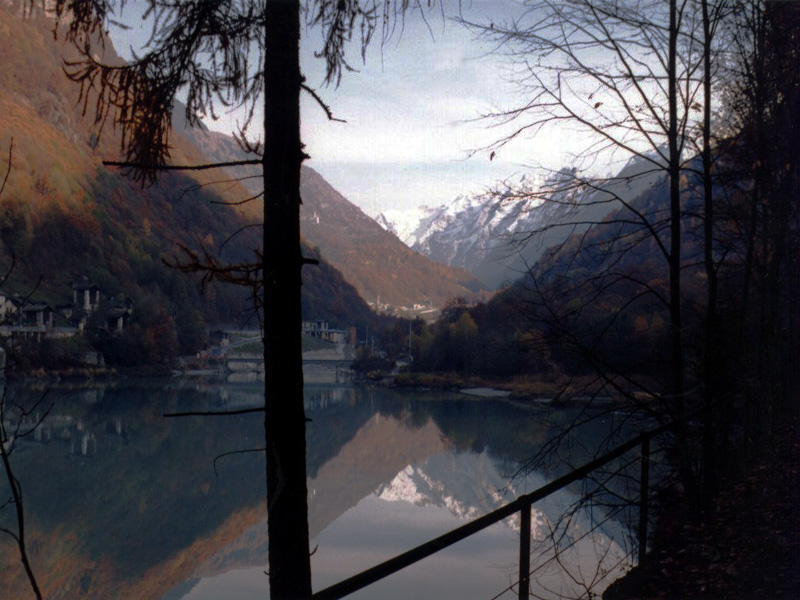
(140,512)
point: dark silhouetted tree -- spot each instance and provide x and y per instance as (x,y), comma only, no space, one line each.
(761,104)
(635,78)
(237,54)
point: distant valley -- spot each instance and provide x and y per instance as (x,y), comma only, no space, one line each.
(388,274)
(64,217)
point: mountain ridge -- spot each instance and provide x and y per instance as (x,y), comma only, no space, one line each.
(65,216)
(496,235)
(350,239)
(381,267)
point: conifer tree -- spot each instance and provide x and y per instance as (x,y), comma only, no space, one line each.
(240,54)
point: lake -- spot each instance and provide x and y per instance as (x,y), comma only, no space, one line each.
(122,502)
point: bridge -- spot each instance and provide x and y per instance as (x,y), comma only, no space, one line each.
(259,359)
(316,369)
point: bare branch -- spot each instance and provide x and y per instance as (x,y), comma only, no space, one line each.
(328,112)
(224,454)
(6,446)
(156,167)
(216,413)
(8,170)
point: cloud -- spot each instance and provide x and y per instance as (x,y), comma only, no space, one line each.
(411,111)
(376,187)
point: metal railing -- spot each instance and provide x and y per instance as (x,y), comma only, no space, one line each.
(523,506)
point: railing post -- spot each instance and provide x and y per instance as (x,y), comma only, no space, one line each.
(523,505)
(644,489)
(525,552)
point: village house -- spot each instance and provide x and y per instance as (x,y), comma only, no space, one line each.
(37,314)
(319,329)
(219,337)
(86,295)
(118,314)
(75,317)
(9,305)
(26,316)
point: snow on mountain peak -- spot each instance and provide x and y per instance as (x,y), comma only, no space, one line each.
(432,483)
(485,209)
(488,233)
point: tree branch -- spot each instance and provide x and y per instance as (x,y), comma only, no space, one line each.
(221,165)
(8,170)
(215,413)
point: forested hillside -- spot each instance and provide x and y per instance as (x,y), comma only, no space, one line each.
(497,234)
(64,217)
(681,307)
(378,265)
(555,319)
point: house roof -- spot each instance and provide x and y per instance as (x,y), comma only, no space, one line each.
(36,307)
(79,287)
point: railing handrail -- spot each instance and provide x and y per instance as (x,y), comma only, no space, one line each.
(408,558)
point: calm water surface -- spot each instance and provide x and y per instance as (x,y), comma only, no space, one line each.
(124,503)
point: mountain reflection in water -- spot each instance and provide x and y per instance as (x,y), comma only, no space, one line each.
(124,503)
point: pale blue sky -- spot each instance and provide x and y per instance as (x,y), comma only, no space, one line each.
(408,111)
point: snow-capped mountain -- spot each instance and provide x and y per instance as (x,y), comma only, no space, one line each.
(503,209)
(496,234)
(404,223)
(467,485)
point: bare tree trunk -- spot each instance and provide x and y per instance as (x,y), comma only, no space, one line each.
(674,171)
(16,493)
(7,442)
(757,108)
(284,420)
(710,351)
